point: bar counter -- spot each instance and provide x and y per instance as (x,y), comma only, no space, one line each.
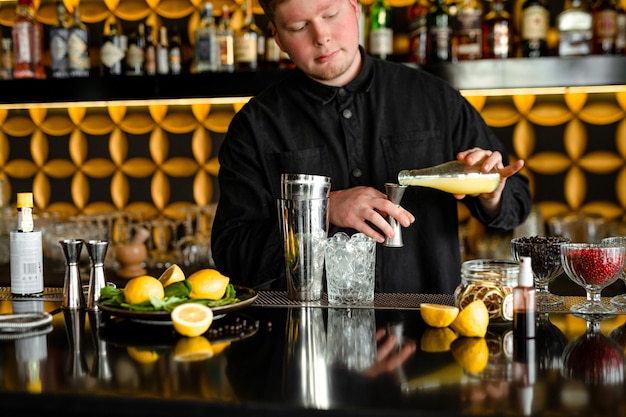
(276,357)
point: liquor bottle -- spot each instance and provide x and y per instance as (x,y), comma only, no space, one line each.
(26,251)
(468,30)
(381,33)
(149,63)
(418,31)
(78,47)
(535,23)
(59,34)
(206,59)
(246,42)
(604,14)
(497,32)
(162,52)
(175,53)
(575,26)
(111,52)
(439,46)
(272,50)
(27,34)
(6,71)
(524,302)
(620,36)
(226,42)
(135,53)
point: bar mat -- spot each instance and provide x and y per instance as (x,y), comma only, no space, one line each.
(49,294)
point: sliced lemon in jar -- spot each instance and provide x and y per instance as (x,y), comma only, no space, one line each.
(438,315)
(493,300)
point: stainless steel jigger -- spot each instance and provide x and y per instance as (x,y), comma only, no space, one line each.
(394,194)
(73,297)
(97,250)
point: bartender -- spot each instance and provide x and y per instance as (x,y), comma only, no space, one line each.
(358,120)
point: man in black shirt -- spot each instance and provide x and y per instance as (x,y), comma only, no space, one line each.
(358,120)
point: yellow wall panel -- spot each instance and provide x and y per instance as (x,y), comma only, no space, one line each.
(98,168)
(39,148)
(601,113)
(575,187)
(548,163)
(59,168)
(80,190)
(600,162)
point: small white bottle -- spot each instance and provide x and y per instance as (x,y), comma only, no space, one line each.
(524,301)
(26,251)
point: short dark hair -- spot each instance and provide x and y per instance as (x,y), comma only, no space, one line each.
(269,6)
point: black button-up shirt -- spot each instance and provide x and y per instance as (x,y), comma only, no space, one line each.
(391,117)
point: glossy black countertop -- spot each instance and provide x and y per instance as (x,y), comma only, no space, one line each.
(286,360)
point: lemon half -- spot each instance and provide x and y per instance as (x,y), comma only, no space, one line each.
(191,319)
(473,320)
(438,315)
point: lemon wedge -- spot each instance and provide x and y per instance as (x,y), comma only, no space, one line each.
(438,315)
(171,275)
(473,320)
(191,319)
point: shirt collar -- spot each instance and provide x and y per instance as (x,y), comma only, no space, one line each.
(326,94)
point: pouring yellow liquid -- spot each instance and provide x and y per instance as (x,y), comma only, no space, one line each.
(453,177)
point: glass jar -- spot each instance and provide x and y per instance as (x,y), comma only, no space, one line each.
(490,280)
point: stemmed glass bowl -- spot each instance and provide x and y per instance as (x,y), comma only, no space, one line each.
(593,266)
(545,255)
(618,300)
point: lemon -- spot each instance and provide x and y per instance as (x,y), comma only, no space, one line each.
(140,289)
(471,353)
(437,339)
(142,355)
(171,275)
(190,349)
(473,320)
(438,315)
(191,319)
(208,283)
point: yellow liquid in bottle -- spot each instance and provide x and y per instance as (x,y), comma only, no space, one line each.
(464,184)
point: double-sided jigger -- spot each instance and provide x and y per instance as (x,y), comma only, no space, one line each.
(395,192)
(73,297)
(97,250)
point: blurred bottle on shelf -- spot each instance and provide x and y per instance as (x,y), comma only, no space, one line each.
(534,30)
(272,50)
(149,64)
(247,41)
(175,55)
(59,54)
(468,30)
(604,14)
(418,31)
(206,57)
(111,52)
(380,31)
(497,32)
(135,53)
(78,47)
(575,28)
(27,34)
(162,52)
(226,42)
(6,69)
(440,21)
(620,36)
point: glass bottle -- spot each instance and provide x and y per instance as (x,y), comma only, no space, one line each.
(135,53)
(620,36)
(111,52)
(59,34)
(439,47)
(468,30)
(604,14)
(272,50)
(535,23)
(380,33)
(497,32)
(418,31)
(246,42)
(524,301)
(226,42)
(175,54)
(26,249)
(574,24)
(27,34)
(206,58)
(6,73)
(162,52)
(78,47)
(454,177)
(149,64)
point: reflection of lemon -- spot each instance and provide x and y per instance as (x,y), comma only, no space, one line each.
(471,353)
(438,315)
(437,340)
(142,355)
(219,347)
(473,320)
(140,289)
(191,319)
(208,283)
(171,275)
(190,349)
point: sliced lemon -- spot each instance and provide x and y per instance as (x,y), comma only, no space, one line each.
(471,353)
(437,339)
(171,275)
(473,320)
(438,315)
(191,319)
(139,289)
(190,349)
(142,355)
(208,283)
